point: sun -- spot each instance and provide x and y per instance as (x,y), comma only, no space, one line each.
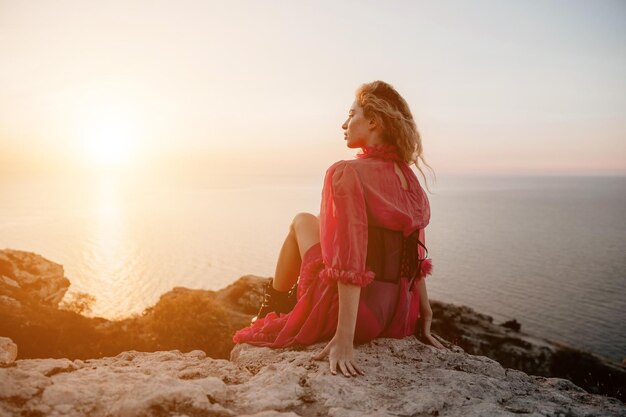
(109,140)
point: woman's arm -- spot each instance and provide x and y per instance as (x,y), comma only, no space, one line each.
(340,349)
(348,308)
(343,240)
(426,315)
(424,301)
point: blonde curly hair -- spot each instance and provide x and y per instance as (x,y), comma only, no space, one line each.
(388,108)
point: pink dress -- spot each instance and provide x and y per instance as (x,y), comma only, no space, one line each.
(357,193)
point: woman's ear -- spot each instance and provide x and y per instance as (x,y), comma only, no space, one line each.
(373,123)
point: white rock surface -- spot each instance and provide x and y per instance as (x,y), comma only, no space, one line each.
(8,351)
(34,274)
(403,378)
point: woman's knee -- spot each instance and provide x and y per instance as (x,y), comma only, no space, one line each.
(304,220)
(305,229)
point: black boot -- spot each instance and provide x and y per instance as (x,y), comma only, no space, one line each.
(277,301)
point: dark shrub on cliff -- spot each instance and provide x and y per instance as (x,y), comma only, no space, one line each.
(78,302)
(47,332)
(186,320)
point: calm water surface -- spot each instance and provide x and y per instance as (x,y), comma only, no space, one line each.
(548,251)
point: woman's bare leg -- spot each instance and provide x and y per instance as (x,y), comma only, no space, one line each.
(304,232)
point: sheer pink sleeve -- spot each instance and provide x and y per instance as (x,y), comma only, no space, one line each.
(343,227)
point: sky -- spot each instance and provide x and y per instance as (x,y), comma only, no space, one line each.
(262,87)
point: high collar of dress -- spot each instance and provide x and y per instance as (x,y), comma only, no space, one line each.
(381,151)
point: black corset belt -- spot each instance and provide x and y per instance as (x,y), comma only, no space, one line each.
(390,255)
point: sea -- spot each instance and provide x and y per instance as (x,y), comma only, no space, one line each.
(548,251)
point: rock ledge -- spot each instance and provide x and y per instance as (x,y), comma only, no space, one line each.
(403,378)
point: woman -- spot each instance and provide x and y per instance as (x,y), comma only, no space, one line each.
(362,262)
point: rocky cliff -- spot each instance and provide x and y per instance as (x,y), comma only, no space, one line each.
(402,378)
(189,320)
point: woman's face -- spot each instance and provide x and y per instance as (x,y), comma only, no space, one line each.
(357,128)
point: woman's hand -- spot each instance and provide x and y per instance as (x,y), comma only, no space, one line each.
(340,347)
(340,352)
(425,321)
